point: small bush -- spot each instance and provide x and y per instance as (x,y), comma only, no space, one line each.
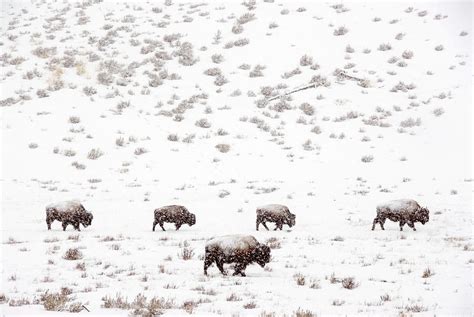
(250,305)
(186,253)
(407,54)
(173,138)
(140,151)
(217,58)
(438,111)
(410,122)
(89,91)
(73,254)
(427,273)
(349,283)
(307,109)
(54,301)
(299,279)
(203,123)
(94,154)
(223,148)
(273,243)
(340,31)
(367,158)
(303,313)
(220,80)
(385,47)
(74,119)
(233,298)
(306,60)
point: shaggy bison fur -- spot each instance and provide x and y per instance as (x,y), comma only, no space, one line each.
(176,214)
(405,211)
(239,249)
(279,214)
(70,212)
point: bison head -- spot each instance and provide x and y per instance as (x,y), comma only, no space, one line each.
(290,219)
(261,255)
(423,215)
(87,221)
(191,219)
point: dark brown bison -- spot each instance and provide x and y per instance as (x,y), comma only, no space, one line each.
(178,215)
(279,214)
(405,211)
(70,212)
(239,249)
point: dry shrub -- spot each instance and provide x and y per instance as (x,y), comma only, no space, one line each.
(303,313)
(223,148)
(186,253)
(94,154)
(299,279)
(250,305)
(54,301)
(73,254)
(349,283)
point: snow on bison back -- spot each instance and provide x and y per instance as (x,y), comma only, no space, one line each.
(405,211)
(239,249)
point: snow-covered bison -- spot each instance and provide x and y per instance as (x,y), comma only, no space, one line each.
(176,214)
(279,214)
(405,211)
(239,249)
(70,212)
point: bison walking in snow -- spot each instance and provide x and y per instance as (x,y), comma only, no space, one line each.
(405,211)
(178,215)
(239,249)
(275,213)
(70,212)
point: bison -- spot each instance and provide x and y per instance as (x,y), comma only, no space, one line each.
(178,215)
(70,212)
(275,213)
(239,249)
(406,211)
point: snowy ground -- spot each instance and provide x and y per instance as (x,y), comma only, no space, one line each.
(129,79)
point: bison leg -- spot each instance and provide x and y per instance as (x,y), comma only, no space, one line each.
(260,220)
(412,225)
(379,221)
(376,220)
(77,226)
(220,265)
(277,226)
(402,223)
(48,223)
(239,269)
(65,223)
(178,225)
(207,263)
(154,224)
(161,225)
(265,225)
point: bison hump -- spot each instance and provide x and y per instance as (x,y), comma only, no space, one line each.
(400,204)
(171,209)
(273,208)
(232,243)
(67,205)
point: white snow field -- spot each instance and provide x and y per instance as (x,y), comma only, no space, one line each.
(129,106)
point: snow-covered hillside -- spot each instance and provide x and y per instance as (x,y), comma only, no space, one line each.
(129,106)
